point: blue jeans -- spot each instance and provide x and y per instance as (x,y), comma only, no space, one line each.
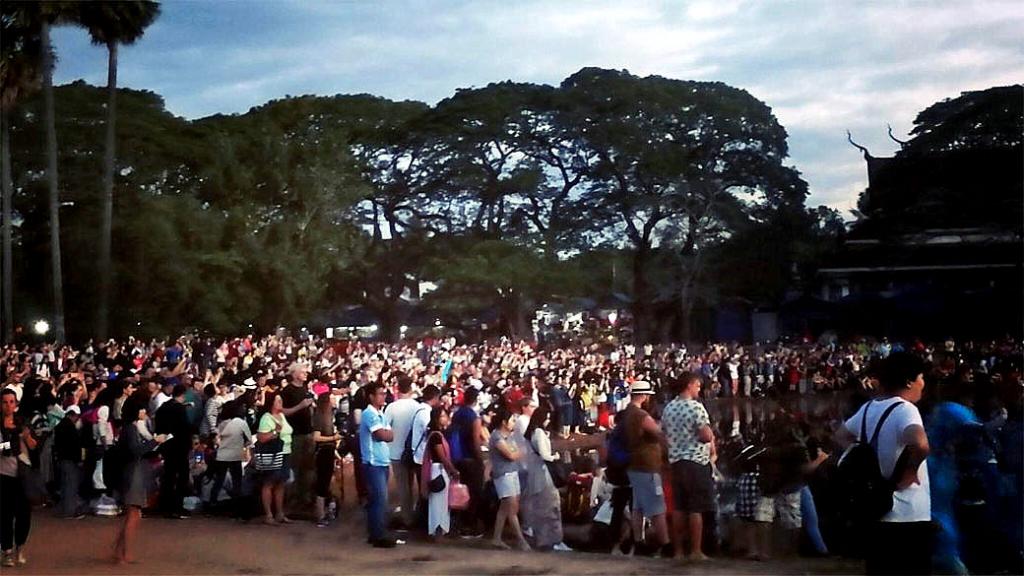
(810,517)
(377,500)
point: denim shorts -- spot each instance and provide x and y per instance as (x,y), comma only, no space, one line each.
(648,493)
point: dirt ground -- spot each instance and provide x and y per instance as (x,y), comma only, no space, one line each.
(220,546)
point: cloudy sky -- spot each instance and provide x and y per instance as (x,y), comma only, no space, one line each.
(823,66)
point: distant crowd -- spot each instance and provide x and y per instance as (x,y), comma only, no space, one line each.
(675,459)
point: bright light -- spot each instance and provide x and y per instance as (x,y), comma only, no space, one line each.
(41,327)
(612,317)
(330,332)
(404,328)
(437,322)
(373,327)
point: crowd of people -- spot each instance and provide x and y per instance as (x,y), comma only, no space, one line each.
(473,438)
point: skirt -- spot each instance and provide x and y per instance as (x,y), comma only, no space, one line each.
(438,514)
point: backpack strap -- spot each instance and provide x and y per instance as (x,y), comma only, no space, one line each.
(864,424)
(878,427)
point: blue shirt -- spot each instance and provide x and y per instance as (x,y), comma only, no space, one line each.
(375,452)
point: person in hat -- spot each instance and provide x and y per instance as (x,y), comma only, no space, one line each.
(68,446)
(645,440)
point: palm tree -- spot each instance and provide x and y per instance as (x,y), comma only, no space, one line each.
(110,24)
(20,70)
(49,17)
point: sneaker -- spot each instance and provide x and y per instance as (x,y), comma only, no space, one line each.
(7,560)
(561,547)
(384,543)
(322,523)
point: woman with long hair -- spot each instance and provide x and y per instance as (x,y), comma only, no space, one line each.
(437,463)
(505,456)
(137,440)
(273,425)
(543,513)
(325,439)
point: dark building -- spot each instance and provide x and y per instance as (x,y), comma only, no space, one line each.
(937,249)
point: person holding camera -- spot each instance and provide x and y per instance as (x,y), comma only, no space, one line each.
(15,511)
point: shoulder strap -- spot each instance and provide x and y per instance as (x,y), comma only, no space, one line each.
(426,432)
(864,424)
(885,415)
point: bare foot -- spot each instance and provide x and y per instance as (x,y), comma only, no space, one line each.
(284,520)
(500,545)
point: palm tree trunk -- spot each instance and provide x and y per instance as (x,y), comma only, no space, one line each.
(106,223)
(8,191)
(51,173)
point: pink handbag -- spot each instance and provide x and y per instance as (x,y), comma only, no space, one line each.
(458,496)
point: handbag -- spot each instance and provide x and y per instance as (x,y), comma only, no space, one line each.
(268,456)
(458,496)
(437,484)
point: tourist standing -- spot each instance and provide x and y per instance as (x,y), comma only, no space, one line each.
(901,541)
(15,511)
(505,454)
(690,440)
(172,419)
(137,441)
(645,440)
(400,415)
(297,402)
(374,436)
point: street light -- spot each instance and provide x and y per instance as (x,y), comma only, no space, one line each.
(612,317)
(41,327)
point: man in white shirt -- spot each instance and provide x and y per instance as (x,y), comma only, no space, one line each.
(431,397)
(901,541)
(165,393)
(400,415)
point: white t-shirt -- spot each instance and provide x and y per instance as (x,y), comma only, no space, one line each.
(159,400)
(912,504)
(421,420)
(398,415)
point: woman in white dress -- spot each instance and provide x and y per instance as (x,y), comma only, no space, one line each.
(437,463)
(544,504)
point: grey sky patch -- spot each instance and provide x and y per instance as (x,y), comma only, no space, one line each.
(823,66)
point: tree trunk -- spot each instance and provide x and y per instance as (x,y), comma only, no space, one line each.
(8,193)
(107,213)
(51,173)
(641,301)
(515,317)
(389,329)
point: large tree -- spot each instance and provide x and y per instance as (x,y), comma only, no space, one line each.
(110,24)
(679,163)
(20,74)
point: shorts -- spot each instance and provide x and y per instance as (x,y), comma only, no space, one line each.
(692,487)
(648,493)
(507,485)
(784,507)
(748,497)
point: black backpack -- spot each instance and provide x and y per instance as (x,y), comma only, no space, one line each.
(866,495)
